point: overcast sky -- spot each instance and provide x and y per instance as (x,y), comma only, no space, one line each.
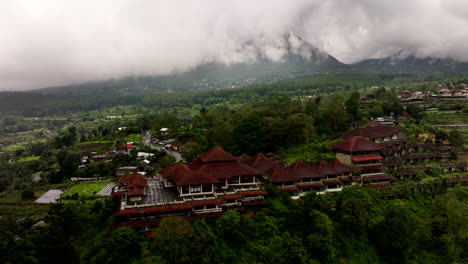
(55,42)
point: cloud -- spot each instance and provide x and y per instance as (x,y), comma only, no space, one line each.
(56,42)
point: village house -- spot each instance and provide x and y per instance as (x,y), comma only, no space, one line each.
(376,132)
(134,187)
(445,92)
(358,151)
(164,131)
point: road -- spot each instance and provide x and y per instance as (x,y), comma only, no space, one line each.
(147,141)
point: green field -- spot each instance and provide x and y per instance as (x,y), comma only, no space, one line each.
(86,189)
(24,159)
(135,138)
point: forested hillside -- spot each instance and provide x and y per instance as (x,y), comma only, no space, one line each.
(357,226)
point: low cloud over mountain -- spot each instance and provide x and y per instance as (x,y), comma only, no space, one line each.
(55,42)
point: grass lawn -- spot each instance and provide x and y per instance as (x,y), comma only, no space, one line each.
(135,138)
(98,146)
(23,210)
(24,159)
(86,189)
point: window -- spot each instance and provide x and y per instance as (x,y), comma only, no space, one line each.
(247,179)
(234,180)
(195,189)
(207,188)
(185,189)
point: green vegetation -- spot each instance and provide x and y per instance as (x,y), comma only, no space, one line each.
(25,159)
(86,189)
(135,138)
(356,226)
(298,119)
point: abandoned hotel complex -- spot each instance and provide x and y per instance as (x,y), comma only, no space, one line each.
(217,181)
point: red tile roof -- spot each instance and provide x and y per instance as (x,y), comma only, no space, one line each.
(195,177)
(244,157)
(175,170)
(366,158)
(216,155)
(340,167)
(311,185)
(289,189)
(279,174)
(357,143)
(165,208)
(254,192)
(129,211)
(376,178)
(134,180)
(371,167)
(381,186)
(129,145)
(405,92)
(260,163)
(222,170)
(331,181)
(253,202)
(209,168)
(207,202)
(231,196)
(135,191)
(373,132)
(302,170)
(324,168)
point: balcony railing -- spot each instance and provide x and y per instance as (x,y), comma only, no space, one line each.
(211,210)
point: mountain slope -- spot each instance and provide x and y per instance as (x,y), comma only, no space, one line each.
(299,58)
(403,61)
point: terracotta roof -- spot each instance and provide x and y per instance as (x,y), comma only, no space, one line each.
(340,167)
(253,202)
(209,168)
(373,132)
(289,189)
(311,185)
(195,177)
(134,180)
(129,211)
(331,181)
(129,145)
(371,167)
(135,191)
(324,168)
(405,92)
(243,157)
(165,208)
(260,163)
(302,170)
(357,143)
(231,196)
(366,158)
(377,178)
(345,179)
(207,202)
(176,170)
(279,174)
(381,186)
(222,170)
(216,155)
(254,192)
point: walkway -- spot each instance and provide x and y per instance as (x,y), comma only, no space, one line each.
(106,191)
